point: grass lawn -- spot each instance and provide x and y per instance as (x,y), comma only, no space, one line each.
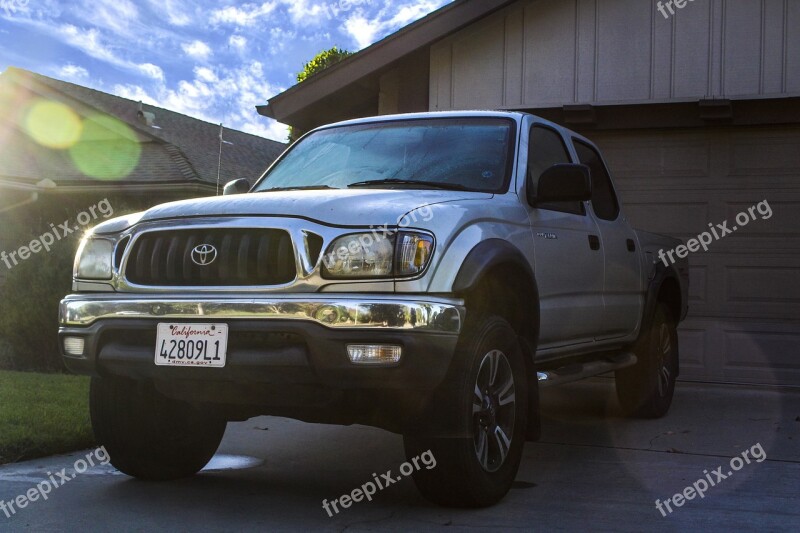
(42,414)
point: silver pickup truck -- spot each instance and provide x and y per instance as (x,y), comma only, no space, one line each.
(426,274)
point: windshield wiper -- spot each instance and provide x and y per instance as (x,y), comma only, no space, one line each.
(302,188)
(394,181)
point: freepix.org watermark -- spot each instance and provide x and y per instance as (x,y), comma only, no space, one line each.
(54,480)
(46,240)
(664,7)
(711,479)
(717,232)
(369,489)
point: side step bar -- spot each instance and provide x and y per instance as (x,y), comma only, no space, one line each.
(580,371)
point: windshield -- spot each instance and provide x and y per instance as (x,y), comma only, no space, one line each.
(465,153)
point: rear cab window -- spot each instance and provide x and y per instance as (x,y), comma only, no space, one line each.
(604,199)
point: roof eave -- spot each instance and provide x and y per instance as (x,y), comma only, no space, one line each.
(264,111)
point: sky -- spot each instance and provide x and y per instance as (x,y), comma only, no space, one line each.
(210,59)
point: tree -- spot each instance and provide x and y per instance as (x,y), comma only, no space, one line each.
(318,63)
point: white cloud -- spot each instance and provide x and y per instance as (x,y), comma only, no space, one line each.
(205,74)
(222,94)
(11,8)
(268,128)
(178,13)
(411,12)
(304,12)
(280,38)
(135,93)
(132,27)
(238,42)
(192,98)
(90,43)
(197,49)
(118,16)
(244,15)
(363,31)
(151,71)
(72,72)
(367,30)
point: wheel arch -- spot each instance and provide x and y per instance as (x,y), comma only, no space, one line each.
(496,278)
(496,274)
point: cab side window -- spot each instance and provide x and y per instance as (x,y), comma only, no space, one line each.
(545,149)
(604,200)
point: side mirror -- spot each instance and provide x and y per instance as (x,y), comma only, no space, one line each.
(242,185)
(562,183)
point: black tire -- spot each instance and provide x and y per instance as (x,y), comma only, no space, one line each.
(465,476)
(149,436)
(645,390)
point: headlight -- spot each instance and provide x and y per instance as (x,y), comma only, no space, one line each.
(361,255)
(369,255)
(94,259)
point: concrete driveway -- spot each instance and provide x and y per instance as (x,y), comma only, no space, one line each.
(593,470)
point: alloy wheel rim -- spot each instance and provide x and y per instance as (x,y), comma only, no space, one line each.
(493,410)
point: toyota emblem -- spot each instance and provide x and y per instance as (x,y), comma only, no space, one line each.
(204,254)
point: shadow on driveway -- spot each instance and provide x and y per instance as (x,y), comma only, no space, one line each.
(593,470)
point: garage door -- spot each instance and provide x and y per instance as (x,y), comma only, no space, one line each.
(744,308)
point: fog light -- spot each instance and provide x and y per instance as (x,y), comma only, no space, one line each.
(374,354)
(74,345)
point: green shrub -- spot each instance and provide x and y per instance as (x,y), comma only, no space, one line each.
(29,309)
(32,289)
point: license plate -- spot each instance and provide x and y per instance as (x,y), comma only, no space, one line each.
(192,345)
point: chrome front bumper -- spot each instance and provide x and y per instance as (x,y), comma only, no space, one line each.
(434,315)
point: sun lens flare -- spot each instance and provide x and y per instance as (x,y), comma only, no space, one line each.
(53,124)
(108,149)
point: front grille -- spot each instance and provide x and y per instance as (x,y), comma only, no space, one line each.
(243,257)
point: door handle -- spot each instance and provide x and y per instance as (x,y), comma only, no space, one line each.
(631,245)
(594,242)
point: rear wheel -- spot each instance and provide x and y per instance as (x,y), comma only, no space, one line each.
(645,390)
(148,435)
(487,393)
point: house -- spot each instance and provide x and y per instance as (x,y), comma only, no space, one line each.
(66,145)
(697,110)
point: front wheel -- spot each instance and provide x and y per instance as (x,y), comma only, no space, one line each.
(487,393)
(645,390)
(150,436)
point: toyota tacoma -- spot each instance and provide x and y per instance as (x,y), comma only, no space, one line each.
(427,274)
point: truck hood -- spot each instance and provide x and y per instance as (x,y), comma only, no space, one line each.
(338,207)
